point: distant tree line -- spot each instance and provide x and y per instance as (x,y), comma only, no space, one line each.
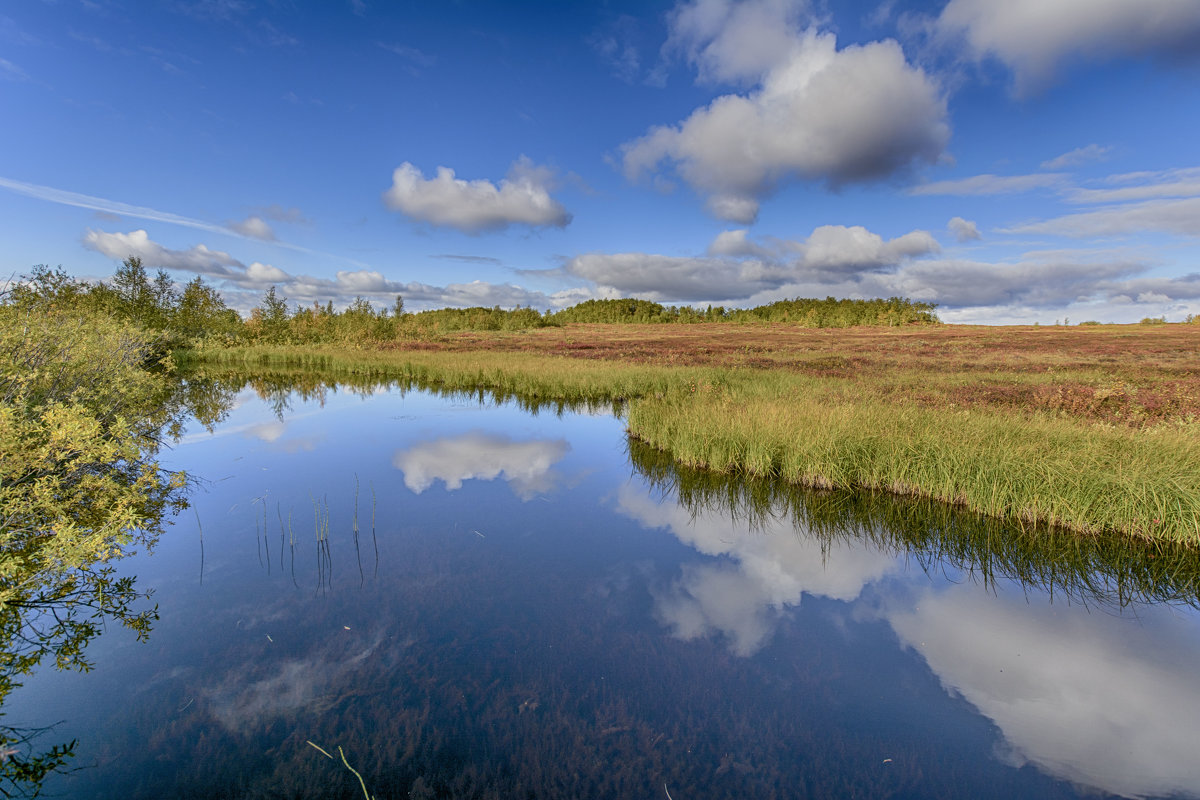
(828,313)
(196,314)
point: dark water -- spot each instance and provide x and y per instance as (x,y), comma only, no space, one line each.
(532,606)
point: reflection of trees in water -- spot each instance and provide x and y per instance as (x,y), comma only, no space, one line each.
(279,387)
(1107,570)
(84,411)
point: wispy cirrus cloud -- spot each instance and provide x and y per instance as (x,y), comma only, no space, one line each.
(1078,156)
(103,205)
(1182,182)
(989,184)
(468,259)
(616,45)
(415,57)
(67,198)
(11,72)
(1180,216)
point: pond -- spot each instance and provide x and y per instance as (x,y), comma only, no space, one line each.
(473,600)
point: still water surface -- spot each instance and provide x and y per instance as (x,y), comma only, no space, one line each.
(533,607)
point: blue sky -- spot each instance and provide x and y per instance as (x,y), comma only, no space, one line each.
(1024,161)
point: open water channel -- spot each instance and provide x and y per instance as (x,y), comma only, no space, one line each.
(476,601)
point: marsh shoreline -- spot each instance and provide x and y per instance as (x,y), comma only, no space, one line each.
(1092,429)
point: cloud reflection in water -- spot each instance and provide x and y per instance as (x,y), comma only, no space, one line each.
(769,570)
(1105,700)
(1109,702)
(525,465)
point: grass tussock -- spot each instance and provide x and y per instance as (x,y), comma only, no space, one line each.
(833,431)
(1037,469)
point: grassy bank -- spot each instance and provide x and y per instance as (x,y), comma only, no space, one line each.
(831,418)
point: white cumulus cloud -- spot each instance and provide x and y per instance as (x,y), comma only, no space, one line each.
(265,273)
(198,259)
(856,248)
(254,227)
(1034,37)
(737,267)
(731,42)
(523,198)
(964,230)
(737,243)
(814,112)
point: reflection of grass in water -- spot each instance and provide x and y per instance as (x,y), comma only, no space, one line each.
(1105,569)
(279,383)
(291,534)
(266,542)
(357,554)
(261,531)
(373,539)
(322,522)
(259,534)
(279,513)
(201,531)
(341,753)
(324,557)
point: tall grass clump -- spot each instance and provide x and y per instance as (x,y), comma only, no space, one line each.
(1034,468)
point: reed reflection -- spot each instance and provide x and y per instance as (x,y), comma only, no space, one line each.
(1080,650)
(1109,571)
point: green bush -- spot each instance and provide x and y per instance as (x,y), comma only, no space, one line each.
(81,415)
